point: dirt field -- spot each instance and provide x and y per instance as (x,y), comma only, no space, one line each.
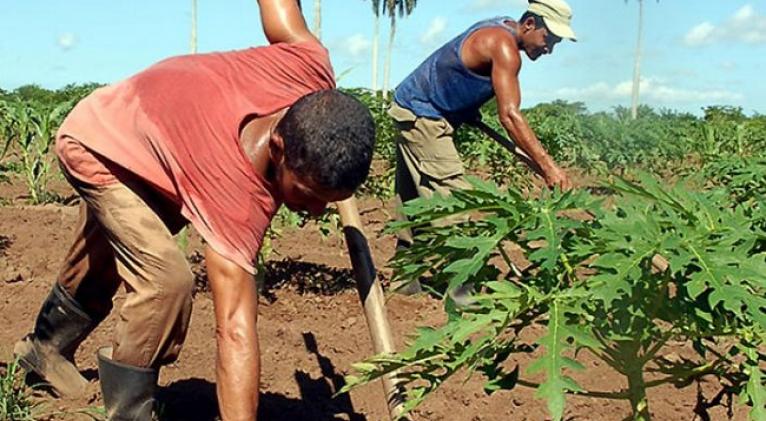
(311,330)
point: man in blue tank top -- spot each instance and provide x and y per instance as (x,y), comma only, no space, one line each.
(450,86)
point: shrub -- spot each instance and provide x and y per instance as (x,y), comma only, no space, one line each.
(595,284)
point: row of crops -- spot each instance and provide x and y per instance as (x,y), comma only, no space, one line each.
(675,253)
(603,143)
(29,118)
(670,263)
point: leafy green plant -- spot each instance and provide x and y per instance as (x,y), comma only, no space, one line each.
(745,180)
(593,286)
(15,397)
(32,127)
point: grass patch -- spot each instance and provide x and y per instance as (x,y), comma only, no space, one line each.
(15,396)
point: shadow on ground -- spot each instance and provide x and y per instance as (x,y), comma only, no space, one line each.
(196,398)
(303,277)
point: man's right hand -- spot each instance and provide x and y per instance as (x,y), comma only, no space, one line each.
(235,299)
(555,176)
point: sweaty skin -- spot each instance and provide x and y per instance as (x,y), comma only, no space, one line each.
(495,52)
(234,291)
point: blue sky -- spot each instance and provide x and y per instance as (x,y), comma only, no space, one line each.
(696,52)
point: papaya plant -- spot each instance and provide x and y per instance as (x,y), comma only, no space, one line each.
(745,180)
(594,283)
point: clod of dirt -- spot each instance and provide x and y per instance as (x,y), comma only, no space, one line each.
(15,279)
(12,274)
(5,242)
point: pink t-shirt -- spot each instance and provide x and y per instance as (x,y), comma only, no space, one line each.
(177,123)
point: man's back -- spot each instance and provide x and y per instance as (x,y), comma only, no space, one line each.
(176,125)
(443,87)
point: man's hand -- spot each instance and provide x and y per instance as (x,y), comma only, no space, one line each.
(506,64)
(235,298)
(555,176)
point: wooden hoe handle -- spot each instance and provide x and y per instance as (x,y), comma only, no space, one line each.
(509,145)
(371,294)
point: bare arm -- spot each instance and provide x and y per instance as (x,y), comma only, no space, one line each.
(235,297)
(283,22)
(506,64)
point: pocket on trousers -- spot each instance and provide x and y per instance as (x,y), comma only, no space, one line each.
(442,169)
(432,149)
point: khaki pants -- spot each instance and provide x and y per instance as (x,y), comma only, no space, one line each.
(125,236)
(427,161)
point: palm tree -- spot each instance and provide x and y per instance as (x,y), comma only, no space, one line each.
(375,43)
(637,62)
(317,30)
(394,8)
(193,38)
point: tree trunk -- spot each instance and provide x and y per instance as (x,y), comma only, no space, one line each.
(193,38)
(638,400)
(389,54)
(317,19)
(637,65)
(375,44)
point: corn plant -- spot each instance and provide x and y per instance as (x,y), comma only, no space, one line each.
(6,138)
(6,133)
(593,286)
(32,128)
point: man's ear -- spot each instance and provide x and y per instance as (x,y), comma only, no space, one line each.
(529,24)
(276,148)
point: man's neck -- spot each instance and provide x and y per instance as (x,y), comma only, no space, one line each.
(255,140)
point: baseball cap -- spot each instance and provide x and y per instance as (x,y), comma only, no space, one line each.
(557,16)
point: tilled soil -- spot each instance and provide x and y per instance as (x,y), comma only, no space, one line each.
(311,329)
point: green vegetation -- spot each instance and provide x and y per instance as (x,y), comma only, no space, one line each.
(602,143)
(15,401)
(32,128)
(29,118)
(593,286)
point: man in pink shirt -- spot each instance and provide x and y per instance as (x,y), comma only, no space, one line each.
(217,140)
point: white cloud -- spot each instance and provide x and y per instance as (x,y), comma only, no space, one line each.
(701,34)
(746,25)
(435,30)
(651,90)
(484,5)
(354,45)
(744,13)
(67,41)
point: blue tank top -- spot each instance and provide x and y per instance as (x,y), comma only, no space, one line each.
(442,87)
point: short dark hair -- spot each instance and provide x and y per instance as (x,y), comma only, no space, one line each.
(539,22)
(329,137)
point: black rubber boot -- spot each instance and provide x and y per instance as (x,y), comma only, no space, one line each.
(128,390)
(60,327)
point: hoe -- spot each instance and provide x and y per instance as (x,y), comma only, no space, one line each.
(371,295)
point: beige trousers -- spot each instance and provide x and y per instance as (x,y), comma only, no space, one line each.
(125,237)
(427,161)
